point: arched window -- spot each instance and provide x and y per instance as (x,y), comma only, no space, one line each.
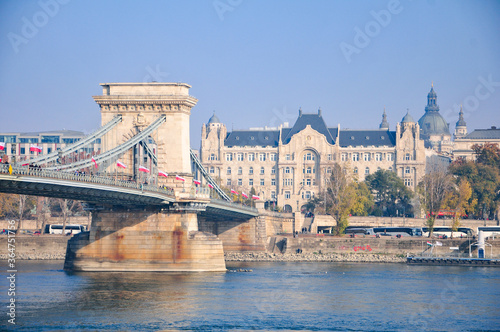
(262,170)
(287,170)
(355,156)
(407,170)
(250,171)
(367,170)
(355,170)
(407,156)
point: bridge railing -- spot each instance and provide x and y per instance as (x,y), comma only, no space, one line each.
(82,177)
(233,205)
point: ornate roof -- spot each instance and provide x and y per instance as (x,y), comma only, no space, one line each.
(214,119)
(461,121)
(384,124)
(407,118)
(432,123)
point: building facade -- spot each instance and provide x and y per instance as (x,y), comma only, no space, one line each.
(290,165)
(17,146)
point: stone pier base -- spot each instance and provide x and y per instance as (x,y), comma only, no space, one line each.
(123,240)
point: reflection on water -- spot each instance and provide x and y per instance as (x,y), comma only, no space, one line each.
(275,296)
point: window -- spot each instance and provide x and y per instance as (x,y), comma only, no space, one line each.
(367,170)
(287,170)
(228,182)
(262,170)
(211,170)
(308,170)
(288,157)
(250,182)
(408,182)
(407,156)
(330,157)
(240,182)
(273,157)
(378,157)
(50,139)
(287,195)
(329,170)
(250,170)
(212,156)
(344,157)
(273,170)
(306,195)
(390,156)
(262,157)
(261,182)
(407,170)
(251,157)
(239,157)
(367,156)
(23,150)
(273,182)
(308,182)
(355,156)
(228,171)
(229,157)
(273,194)
(287,182)
(240,170)
(28,140)
(390,168)
(355,171)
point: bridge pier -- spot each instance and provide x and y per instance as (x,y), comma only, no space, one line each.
(146,240)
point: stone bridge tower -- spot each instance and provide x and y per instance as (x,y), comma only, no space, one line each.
(140,104)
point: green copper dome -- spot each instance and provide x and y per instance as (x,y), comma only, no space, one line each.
(432,123)
(214,119)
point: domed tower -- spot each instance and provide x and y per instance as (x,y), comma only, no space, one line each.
(384,124)
(434,129)
(461,126)
(213,135)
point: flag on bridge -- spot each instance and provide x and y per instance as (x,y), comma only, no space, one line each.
(429,243)
(210,186)
(197,182)
(35,148)
(160,173)
(120,164)
(255,197)
(244,195)
(234,192)
(180,178)
(95,162)
(439,243)
(143,169)
(2,145)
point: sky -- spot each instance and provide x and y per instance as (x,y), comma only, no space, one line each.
(254,63)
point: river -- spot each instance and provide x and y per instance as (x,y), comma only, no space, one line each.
(273,296)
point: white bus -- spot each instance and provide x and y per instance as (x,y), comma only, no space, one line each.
(70,229)
(489,231)
(446,231)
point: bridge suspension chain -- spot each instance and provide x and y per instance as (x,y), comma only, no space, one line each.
(116,151)
(77,145)
(207,176)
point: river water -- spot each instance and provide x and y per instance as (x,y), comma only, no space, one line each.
(273,296)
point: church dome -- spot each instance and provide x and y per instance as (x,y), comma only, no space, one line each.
(214,119)
(407,118)
(432,123)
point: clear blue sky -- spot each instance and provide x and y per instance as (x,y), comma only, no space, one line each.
(253,62)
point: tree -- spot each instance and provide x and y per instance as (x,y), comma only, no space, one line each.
(16,206)
(459,201)
(390,192)
(487,154)
(68,207)
(433,189)
(341,196)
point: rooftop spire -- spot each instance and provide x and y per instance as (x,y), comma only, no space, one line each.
(461,120)
(384,124)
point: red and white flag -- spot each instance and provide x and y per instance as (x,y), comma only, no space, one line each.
(120,164)
(234,192)
(95,162)
(180,178)
(143,169)
(255,197)
(244,195)
(210,186)
(160,173)
(35,148)
(2,145)
(25,164)
(197,182)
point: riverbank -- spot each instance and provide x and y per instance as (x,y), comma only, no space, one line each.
(313,257)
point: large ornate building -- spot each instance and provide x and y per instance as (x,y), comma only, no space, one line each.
(290,165)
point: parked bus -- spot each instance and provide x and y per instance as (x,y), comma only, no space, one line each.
(395,231)
(489,231)
(70,229)
(359,231)
(446,231)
